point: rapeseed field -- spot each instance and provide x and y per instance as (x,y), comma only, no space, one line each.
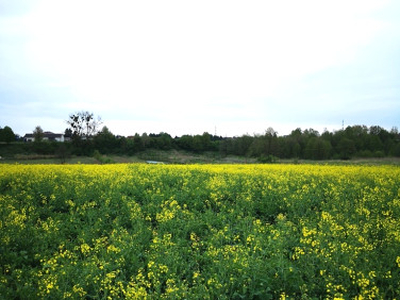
(199,232)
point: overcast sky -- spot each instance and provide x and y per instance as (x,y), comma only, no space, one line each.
(187,67)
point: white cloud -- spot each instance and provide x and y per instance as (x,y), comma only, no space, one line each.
(218,48)
(178,61)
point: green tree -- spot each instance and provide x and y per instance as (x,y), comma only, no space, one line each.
(265,145)
(346,148)
(206,142)
(164,141)
(243,144)
(298,142)
(296,150)
(7,135)
(186,142)
(105,141)
(38,134)
(138,143)
(62,152)
(226,146)
(318,148)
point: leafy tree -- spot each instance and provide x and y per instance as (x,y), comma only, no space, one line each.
(346,148)
(358,134)
(38,134)
(145,140)
(298,142)
(318,148)
(206,142)
(105,141)
(376,130)
(271,145)
(311,132)
(185,142)
(296,150)
(394,131)
(265,145)
(243,144)
(373,143)
(7,135)
(138,143)
(395,150)
(63,152)
(197,143)
(163,141)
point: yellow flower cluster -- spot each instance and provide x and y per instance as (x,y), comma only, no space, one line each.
(199,231)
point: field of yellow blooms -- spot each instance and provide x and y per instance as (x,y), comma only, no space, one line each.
(199,231)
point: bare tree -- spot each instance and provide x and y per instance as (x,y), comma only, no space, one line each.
(83,124)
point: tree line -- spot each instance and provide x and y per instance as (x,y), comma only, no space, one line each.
(353,141)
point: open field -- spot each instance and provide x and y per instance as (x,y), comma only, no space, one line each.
(199,231)
(168,156)
(182,157)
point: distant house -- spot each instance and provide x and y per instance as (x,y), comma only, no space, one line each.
(47,136)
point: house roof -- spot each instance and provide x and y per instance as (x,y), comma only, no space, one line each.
(46,134)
